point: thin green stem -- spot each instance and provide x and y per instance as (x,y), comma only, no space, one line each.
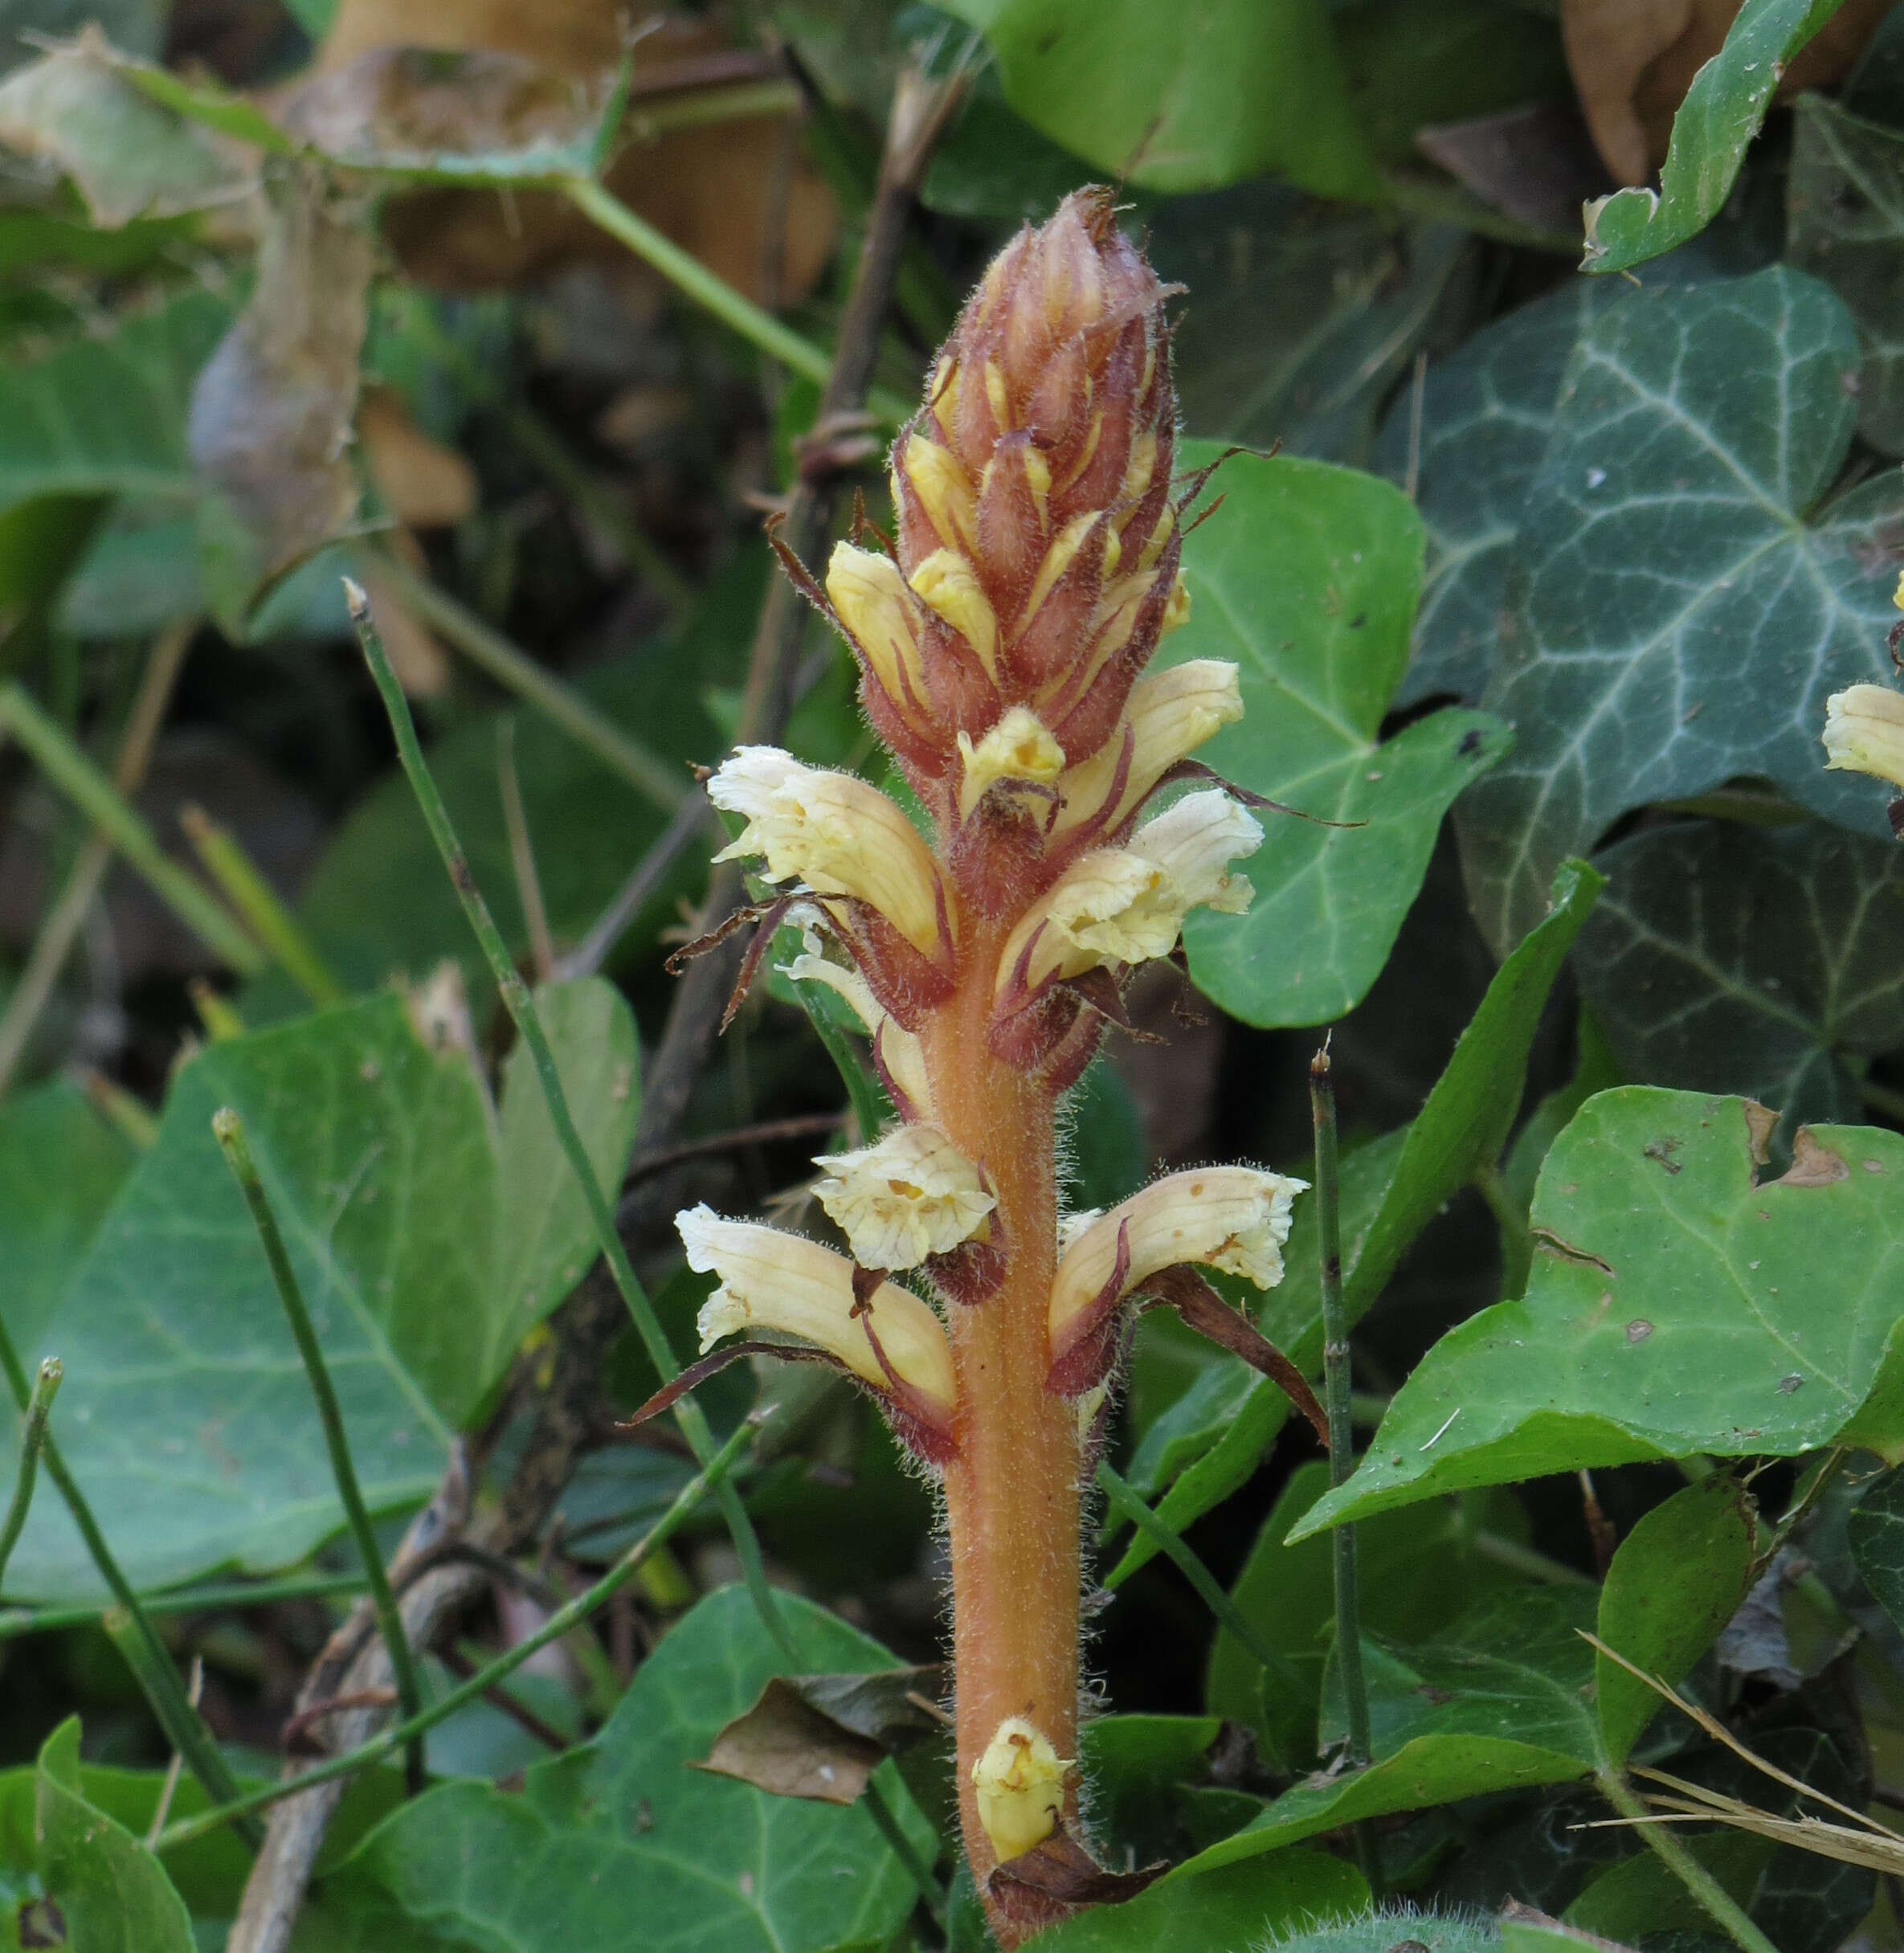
(520,1004)
(1536,1566)
(17,1621)
(564,1620)
(688,275)
(95,796)
(1724,1910)
(151,1663)
(886,1819)
(45,1387)
(228,1130)
(223,856)
(517,672)
(1517,1236)
(1125,1502)
(1338,1393)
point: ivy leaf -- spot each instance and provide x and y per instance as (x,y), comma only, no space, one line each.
(1677,1577)
(186,1415)
(1844,224)
(106,415)
(1675,1306)
(60,1167)
(109,1888)
(1305,577)
(1486,413)
(1497,1701)
(1875,1533)
(621,1829)
(1680,606)
(1765,961)
(1208,93)
(1721,114)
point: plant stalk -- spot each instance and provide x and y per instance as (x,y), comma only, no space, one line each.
(39,1406)
(520,1004)
(241,881)
(1338,1397)
(17,1621)
(564,1620)
(1720,1907)
(229,1131)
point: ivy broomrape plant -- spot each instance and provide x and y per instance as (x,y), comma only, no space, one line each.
(1002,642)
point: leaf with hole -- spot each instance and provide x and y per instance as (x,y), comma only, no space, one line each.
(1677,1304)
(1680,604)
(1305,577)
(1765,961)
(186,1415)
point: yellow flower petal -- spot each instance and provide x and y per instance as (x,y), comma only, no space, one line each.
(899,1049)
(912,1195)
(947,582)
(1020,747)
(1864,731)
(1020,1780)
(1170,714)
(883,615)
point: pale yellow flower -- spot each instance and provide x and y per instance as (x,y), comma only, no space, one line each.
(912,1195)
(899,1050)
(884,618)
(1169,714)
(1127,904)
(948,583)
(1864,731)
(1020,1780)
(1018,747)
(1232,1218)
(835,833)
(769,1280)
(944,492)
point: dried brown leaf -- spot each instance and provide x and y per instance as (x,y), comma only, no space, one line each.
(820,1737)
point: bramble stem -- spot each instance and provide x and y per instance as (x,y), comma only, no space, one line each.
(521,1006)
(146,1655)
(241,881)
(40,1406)
(68,768)
(564,1620)
(228,1128)
(1342,1438)
(1724,1910)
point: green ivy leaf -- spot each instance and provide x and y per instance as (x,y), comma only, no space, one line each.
(1681,605)
(1844,224)
(1497,1701)
(1230,1905)
(61,1165)
(110,1888)
(106,415)
(622,1831)
(1875,1532)
(1486,412)
(186,1415)
(1677,1577)
(1715,125)
(1765,961)
(1187,98)
(1306,577)
(1675,1306)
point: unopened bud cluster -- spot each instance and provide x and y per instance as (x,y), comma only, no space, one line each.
(1003,637)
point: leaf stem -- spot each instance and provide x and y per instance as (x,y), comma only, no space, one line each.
(521,1006)
(146,1654)
(1338,1395)
(1517,1236)
(733,308)
(564,1620)
(228,1128)
(40,1406)
(561,705)
(886,1820)
(89,789)
(1724,1910)
(241,882)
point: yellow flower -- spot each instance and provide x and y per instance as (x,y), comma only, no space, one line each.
(1020,1784)
(897,1048)
(1171,714)
(948,583)
(770,1280)
(1127,904)
(1864,731)
(834,832)
(912,1195)
(1232,1218)
(884,618)
(1018,747)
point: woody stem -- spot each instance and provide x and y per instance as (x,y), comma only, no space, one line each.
(1012,1492)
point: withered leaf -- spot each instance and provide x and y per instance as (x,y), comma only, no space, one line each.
(822,1736)
(1061,1868)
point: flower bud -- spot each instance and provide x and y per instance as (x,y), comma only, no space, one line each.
(1864,731)
(1020,1780)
